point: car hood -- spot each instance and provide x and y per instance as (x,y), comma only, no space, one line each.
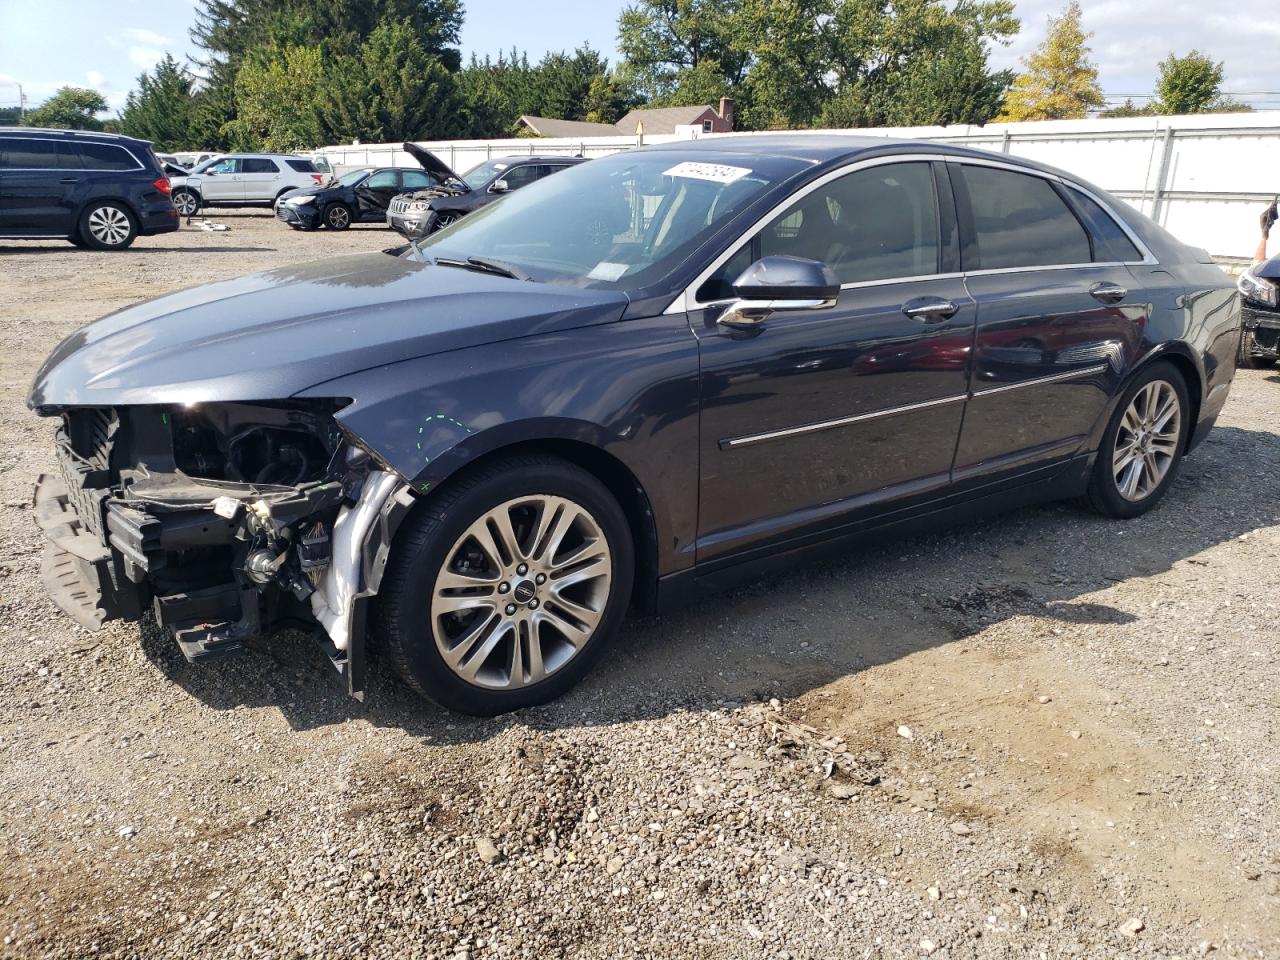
(270,335)
(431,163)
(1270,269)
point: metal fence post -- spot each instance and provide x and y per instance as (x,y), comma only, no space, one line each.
(1166,153)
(1004,142)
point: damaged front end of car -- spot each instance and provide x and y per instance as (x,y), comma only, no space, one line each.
(229,520)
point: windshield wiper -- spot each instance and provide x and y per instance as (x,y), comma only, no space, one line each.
(486,265)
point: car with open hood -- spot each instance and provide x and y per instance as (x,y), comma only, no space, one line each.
(357,196)
(414,215)
(622,387)
(1259,288)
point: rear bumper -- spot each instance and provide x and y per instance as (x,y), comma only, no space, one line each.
(159,220)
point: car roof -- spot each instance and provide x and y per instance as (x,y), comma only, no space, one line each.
(539,158)
(44,133)
(826,148)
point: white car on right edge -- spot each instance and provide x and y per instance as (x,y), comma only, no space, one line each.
(243,180)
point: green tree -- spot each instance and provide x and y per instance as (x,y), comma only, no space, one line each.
(70,108)
(391,89)
(608,98)
(163,108)
(1060,82)
(682,52)
(277,101)
(1193,84)
(1127,109)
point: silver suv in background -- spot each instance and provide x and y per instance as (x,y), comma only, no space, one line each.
(243,179)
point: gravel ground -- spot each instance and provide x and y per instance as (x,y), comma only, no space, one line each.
(1046,735)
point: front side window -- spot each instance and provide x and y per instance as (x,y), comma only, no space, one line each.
(878,223)
(382,180)
(1020,221)
(259,165)
(520,176)
(20,153)
(228,165)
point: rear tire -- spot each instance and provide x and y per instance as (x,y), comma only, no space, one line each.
(484,615)
(107,225)
(1143,444)
(186,202)
(337,216)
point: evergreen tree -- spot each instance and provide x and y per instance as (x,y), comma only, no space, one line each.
(1060,82)
(70,108)
(163,108)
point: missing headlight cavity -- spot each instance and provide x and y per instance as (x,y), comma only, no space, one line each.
(259,443)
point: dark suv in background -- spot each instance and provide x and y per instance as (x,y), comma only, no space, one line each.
(98,190)
(414,215)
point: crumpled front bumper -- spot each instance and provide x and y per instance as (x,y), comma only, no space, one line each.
(412,225)
(305,216)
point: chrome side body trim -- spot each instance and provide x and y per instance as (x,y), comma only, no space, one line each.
(735,442)
(843,421)
(1038,381)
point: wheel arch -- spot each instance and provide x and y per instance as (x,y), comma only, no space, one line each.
(1182,358)
(616,476)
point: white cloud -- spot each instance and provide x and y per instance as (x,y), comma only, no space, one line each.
(145,57)
(1127,49)
(95,79)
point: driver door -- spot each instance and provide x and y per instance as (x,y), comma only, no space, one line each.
(823,417)
(221,182)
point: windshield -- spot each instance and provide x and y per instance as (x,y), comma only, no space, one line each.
(477,177)
(352,177)
(621,222)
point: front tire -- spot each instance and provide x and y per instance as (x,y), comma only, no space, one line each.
(337,216)
(507,586)
(107,225)
(1142,447)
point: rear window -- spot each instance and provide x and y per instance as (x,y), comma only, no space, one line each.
(1111,243)
(258,165)
(302,166)
(1020,221)
(105,156)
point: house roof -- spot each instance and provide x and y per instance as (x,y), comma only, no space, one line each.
(549,127)
(660,119)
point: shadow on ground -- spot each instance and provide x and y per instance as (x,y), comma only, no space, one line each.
(783,636)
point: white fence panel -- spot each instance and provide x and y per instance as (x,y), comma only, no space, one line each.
(1204,178)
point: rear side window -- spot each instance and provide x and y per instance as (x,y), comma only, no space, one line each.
(879,223)
(20,153)
(105,156)
(1020,221)
(258,165)
(1111,244)
(302,166)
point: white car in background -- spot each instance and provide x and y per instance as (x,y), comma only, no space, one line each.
(242,180)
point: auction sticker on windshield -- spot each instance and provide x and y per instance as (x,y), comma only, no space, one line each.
(716,172)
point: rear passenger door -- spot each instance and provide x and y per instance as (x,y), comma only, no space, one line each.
(260,178)
(1059,319)
(38,187)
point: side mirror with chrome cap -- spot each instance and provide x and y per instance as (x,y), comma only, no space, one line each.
(499,186)
(779,283)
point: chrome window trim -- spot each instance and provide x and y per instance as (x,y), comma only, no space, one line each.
(686,300)
(736,442)
(132,156)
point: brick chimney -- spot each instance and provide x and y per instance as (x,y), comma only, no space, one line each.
(726,111)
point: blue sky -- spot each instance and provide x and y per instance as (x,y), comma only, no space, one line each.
(105,44)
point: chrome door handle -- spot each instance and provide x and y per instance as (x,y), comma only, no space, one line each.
(1106,292)
(929,309)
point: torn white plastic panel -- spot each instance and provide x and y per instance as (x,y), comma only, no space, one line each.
(332,603)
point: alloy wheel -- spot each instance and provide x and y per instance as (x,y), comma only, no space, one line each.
(185,202)
(444,219)
(109,225)
(1147,440)
(339,218)
(521,592)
